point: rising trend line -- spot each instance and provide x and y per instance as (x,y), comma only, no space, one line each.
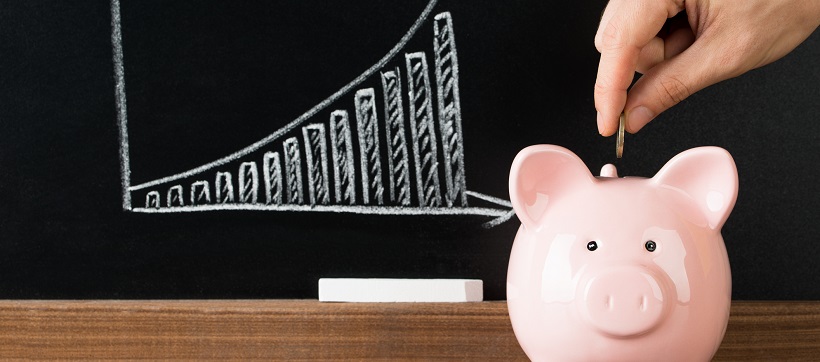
(293,124)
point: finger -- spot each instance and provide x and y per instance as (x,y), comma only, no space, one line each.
(659,49)
(605,16)
(630,27)
(610,89)
(677,41)
(651,55)
(667,84)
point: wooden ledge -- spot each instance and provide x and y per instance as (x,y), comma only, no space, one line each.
(307,329)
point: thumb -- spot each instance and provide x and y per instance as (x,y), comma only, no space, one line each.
(667,84)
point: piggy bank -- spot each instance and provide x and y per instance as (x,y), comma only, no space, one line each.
(620,268)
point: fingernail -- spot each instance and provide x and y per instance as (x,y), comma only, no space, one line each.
(637,118)
(600,123)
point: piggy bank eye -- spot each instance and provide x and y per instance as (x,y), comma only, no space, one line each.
(650,246)
(592,246)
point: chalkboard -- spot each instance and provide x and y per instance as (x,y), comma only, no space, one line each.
(219,149)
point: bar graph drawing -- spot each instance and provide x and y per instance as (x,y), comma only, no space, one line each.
(358,151)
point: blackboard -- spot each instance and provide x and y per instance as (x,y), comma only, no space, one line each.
(217,91)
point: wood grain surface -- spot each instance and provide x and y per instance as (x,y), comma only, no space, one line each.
(309,330)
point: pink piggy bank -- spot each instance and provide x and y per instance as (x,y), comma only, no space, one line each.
(620,269)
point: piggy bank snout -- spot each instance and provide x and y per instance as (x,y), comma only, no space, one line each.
(623,301)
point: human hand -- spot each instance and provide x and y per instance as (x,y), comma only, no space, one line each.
(705,42)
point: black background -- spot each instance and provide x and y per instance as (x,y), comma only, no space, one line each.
(206,78)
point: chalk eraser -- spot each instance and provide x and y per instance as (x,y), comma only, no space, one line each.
(400,290)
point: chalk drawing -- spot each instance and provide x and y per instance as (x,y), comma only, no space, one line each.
(200,193)
(449,109)
(296,122)
(316,157)
(422,130)
(355,209)
(492,199)
(397,165)
(248,182)
(436,141)
(343,162)
(152,200)
(273,178)
(369,150)
(293,171)
(122,113)
(224,188)
(174,197)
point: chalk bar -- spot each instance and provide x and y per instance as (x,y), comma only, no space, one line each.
(400,290)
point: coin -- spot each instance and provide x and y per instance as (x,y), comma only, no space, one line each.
(619,142)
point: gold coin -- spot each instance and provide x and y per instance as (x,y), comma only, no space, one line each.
(619,142)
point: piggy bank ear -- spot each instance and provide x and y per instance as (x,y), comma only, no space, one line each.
(704,178)
(540,175)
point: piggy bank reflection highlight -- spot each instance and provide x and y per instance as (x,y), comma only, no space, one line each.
(609,268)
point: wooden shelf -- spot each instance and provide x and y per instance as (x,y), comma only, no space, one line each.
(307,329)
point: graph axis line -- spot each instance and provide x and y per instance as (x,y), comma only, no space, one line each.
(350,209)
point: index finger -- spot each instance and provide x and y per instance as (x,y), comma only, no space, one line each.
(626,27)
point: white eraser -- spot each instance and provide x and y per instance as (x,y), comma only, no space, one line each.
(400,290)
